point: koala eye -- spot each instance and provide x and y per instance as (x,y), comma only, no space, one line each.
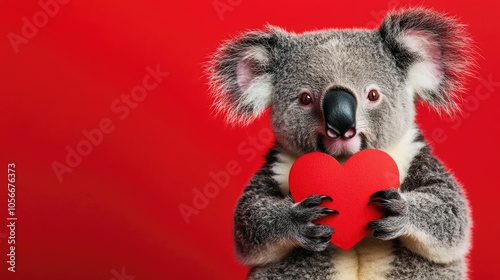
(373,95)
(305,98)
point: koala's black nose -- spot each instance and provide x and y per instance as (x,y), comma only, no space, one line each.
(339,108)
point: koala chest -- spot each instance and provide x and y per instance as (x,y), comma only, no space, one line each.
(371,259)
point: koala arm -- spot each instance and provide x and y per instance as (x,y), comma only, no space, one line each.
(268,225)
(429,214)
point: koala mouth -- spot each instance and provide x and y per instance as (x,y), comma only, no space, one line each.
(341,148)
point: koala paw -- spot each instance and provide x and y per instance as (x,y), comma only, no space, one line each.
(395,220)
(309,235)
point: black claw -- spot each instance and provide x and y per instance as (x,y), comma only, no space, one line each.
(377,200)
(326,197)
(325,239)
(372,224)
(329,211)
(381,234)
(378,194)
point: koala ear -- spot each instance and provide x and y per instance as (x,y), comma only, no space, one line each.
(434,51)
(241,75)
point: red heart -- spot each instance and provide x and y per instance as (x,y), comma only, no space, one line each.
(350,185)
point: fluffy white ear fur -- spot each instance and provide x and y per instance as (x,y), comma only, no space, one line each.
(255,89)
(241,83)
(434,49)
(426,74)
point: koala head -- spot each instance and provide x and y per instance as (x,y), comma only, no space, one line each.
(340,91)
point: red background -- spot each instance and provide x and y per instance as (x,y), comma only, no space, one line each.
(119,208)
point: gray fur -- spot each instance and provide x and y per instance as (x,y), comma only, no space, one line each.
(427,222)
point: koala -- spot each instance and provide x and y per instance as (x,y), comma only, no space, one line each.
(341,91)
